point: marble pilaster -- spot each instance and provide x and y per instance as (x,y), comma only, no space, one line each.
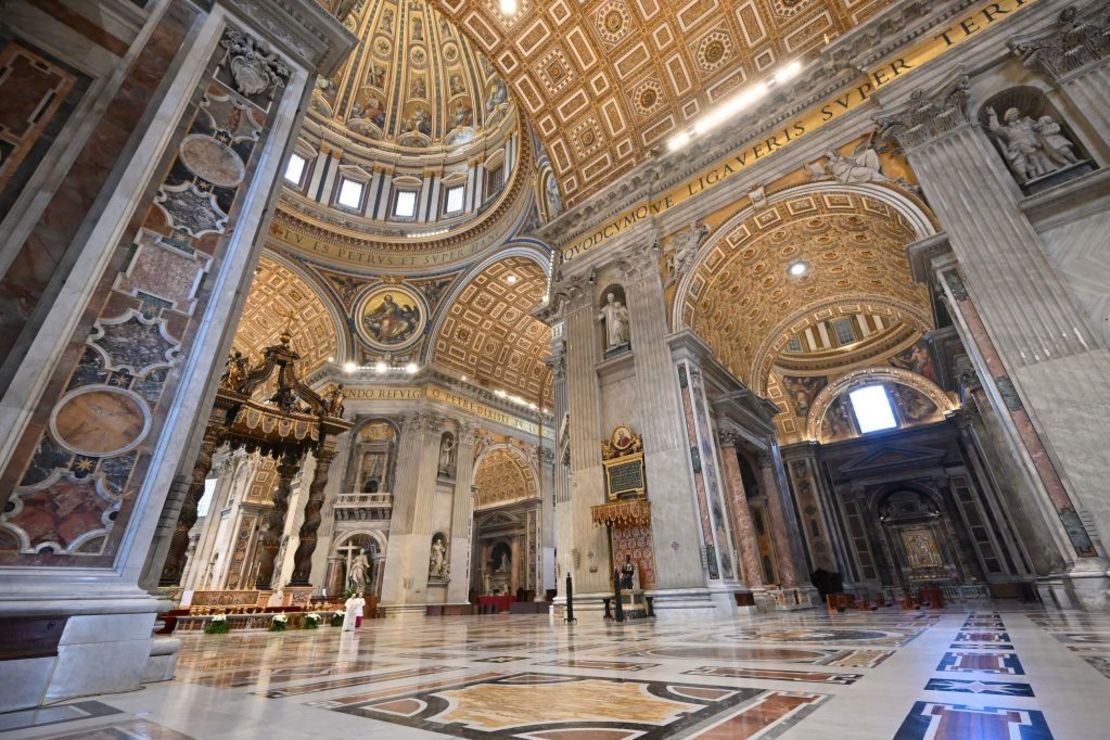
(1042,342)
(462,516)
(661,415)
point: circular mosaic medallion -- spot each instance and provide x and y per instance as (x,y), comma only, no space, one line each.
(100,421)
(391,317)
(714,50)
(213,160)
(614,21)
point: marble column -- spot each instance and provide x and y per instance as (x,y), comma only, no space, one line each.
(274,526)
(306,539)
(462,517)
(742,527)
(186,515)
(780,534)
(1043,343)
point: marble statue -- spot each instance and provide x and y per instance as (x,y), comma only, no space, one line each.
(446,455)
(1032,148)
(615,316)
(437,564)
(684,249)
(861,166)
(360,567)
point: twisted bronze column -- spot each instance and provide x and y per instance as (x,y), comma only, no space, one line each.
(302,559)
(174,567)
(270,538)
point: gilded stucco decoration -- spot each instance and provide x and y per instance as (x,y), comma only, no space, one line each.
(280,298)
(490,335)
(605,81)
(744,302)
(503,477)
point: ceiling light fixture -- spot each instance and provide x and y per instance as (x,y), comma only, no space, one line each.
(380,367)
(734,105)
(412,368)
(508,7)
(349,367)
(797,269)
(511,279)
(463,378)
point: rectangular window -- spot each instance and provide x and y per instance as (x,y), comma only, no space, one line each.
(872,406)
(405,205)
(844,333)
(794,345)
(494,181)
(205,502)
(350,193)
(453,201)
(294,171)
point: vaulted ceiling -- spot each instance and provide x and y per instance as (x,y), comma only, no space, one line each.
(604,81)
(489,334)
(744,301)
(280,298)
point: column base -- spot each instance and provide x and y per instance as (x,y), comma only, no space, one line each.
(1083,590)
(402,611)
(100,635)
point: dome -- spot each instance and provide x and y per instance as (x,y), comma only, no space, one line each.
(414,86)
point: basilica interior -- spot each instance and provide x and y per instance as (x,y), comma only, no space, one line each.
(554,369)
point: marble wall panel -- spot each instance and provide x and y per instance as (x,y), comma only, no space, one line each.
(111,393)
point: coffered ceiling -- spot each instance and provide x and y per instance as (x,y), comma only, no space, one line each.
(280,298)
(744,301)
(489,335)
(604,81)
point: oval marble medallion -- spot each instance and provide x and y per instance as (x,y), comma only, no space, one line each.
(213,160)
(100,421)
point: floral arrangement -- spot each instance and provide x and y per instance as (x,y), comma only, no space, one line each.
(311,621)
(217,625)
(337,619)
(277,623)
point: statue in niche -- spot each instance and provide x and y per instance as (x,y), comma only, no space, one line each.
(447,455)
(357,578)
(615,316)
(437,562)
(1032,148)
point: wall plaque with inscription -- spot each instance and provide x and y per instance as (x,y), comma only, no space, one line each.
(623,457)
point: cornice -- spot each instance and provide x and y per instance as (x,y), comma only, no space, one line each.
(301,28)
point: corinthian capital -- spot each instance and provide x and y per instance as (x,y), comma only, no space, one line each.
(927,115)
(1070,45)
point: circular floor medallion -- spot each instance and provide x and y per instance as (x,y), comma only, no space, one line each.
(213,160)
(100,421)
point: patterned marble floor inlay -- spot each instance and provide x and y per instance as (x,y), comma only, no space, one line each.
(1000,688)
(927,674)
(982,662)
(538,705)
(959,722)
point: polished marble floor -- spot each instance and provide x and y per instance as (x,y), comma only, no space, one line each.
(985,672)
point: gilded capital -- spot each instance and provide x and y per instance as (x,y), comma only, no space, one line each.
(928,115)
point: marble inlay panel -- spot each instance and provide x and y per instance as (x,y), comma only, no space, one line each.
(604,665)
(339,683)
(1001,688)
(959,722)
(981,662)
(770,674)
(537,705)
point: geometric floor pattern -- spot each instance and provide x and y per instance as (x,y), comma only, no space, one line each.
(986,672)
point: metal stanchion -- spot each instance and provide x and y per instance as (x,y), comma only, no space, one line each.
(570,602)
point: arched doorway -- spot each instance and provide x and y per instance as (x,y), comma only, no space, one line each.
(507,553)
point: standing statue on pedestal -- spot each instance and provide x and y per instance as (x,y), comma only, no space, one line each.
(615,316)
